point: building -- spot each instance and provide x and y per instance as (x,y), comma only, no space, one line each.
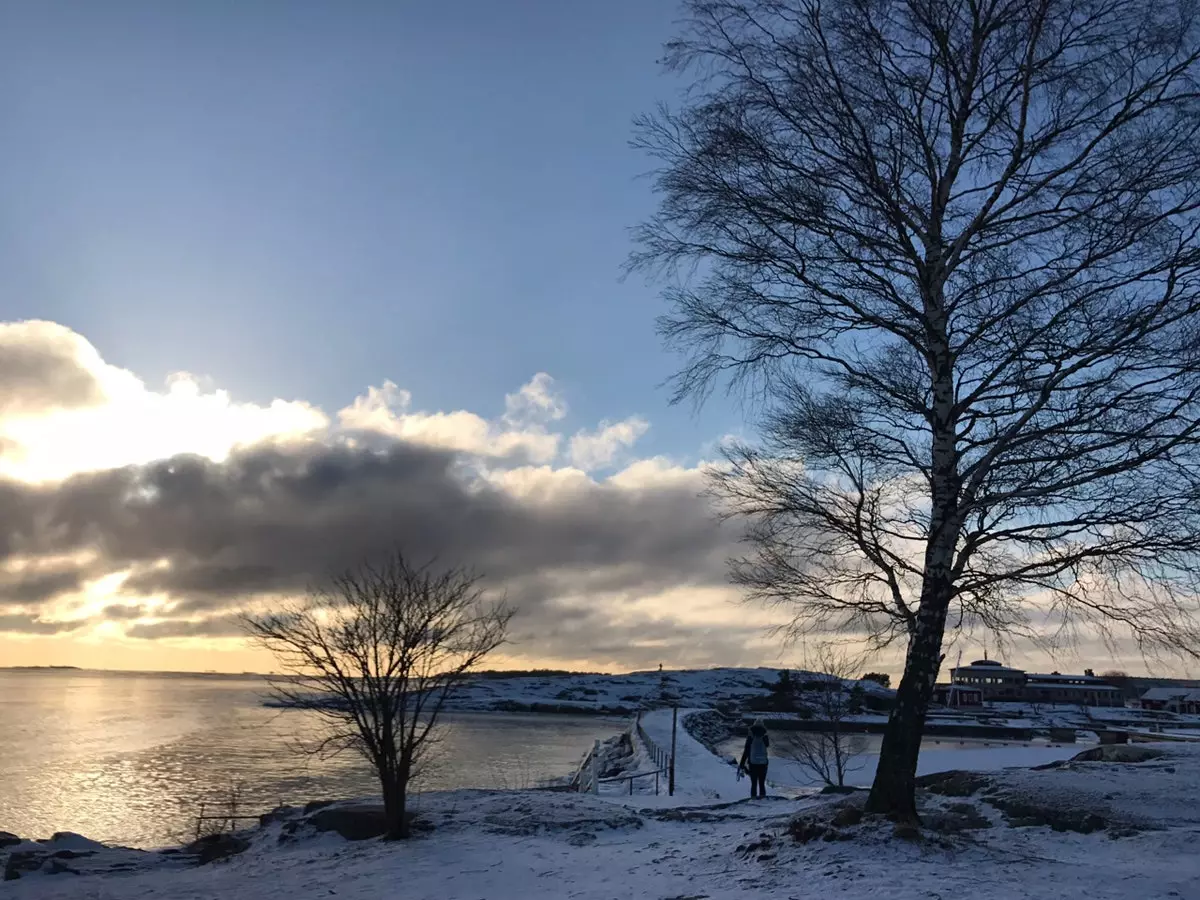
(1003,684)
(1080,690)
(957,696)
(994,680)
(1171,699)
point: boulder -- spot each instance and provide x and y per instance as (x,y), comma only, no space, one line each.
(354,822)
(23,862)
(955,783)
(8,839)
(1024,812)
(279,814)
(1118,753)
(955,818)
(213,847)
(847,816)
(69,840)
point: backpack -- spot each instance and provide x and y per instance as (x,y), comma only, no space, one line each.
(758,749)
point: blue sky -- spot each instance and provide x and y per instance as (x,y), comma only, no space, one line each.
(299,199)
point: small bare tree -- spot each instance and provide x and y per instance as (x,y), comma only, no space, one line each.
(829,753)
(376,654)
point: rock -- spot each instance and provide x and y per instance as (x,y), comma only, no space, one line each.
(847,816)
(23,862)
(354,822)
(58,867)
(1025,813)
(906,831)
(279,814)
(8,839)
(1118,753)
(804,830)
(69,840)
(838,789)
(955,783)
(954,818)
(314,805)
(213,847)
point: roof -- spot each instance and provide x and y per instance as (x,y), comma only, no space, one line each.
(1171,693)
(1069,686)
(1056,677)
(986,667)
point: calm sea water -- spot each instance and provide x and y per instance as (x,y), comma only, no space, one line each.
(129,758)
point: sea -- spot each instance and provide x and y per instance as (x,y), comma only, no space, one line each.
(130,758)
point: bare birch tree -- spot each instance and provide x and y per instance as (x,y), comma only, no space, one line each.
(952,245)
(376,654)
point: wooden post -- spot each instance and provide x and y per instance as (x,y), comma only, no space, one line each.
(671,773)
(199,821)
(595,768)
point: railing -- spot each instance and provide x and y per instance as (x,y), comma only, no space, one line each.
(587,778)
(226,817)
(619,778)
(662,758)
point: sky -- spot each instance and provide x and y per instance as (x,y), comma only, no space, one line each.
(286,284)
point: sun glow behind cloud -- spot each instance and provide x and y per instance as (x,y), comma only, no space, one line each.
(73,416)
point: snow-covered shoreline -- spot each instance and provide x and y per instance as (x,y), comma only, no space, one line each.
(1094,830)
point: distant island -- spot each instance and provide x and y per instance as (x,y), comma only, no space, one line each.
(36,668)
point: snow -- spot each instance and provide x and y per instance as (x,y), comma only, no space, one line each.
(709,841)
(525,845)
(700,777)
(598,693)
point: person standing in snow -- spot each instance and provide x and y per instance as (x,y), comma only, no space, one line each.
(754,758)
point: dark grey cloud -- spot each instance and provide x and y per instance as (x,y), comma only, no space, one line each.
(26,624)
(118,612)
(32,588)
(218,626)
(40,370)
(279,519)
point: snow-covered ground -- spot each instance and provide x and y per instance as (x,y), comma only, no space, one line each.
(1079,831)
(523,845)
(618,694)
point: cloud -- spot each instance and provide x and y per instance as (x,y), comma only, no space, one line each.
(219,626)
(158,514)
(274,518)
(519,435)
(63,410)
(44,366)
(598,449)
(20,623)
(117,612)
(36,585)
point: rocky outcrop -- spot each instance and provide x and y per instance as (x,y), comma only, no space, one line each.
(67,853)
(354,822)
(1118,753)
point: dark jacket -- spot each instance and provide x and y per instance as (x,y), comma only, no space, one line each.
(757,742)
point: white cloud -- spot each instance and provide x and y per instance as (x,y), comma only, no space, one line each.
(387,411)
(124,422)
(598,449)
(536,403)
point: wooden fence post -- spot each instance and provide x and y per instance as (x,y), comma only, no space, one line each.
(671,775)
(595,768)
